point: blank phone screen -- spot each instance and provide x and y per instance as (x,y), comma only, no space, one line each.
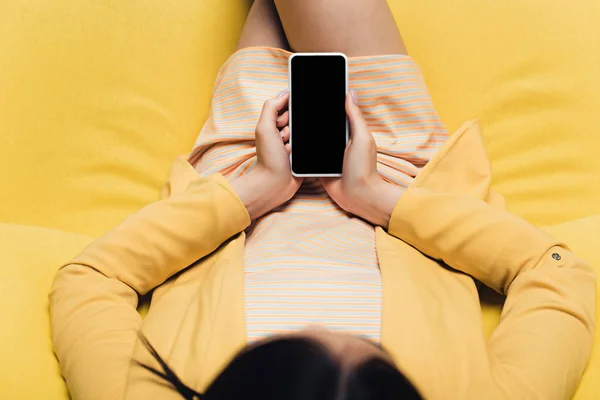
(318,114)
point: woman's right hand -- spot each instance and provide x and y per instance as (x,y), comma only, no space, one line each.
(270,183)
(361,190)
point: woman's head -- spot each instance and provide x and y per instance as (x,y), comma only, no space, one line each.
(312,364)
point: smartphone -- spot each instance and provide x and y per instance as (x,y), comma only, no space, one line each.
(318,123)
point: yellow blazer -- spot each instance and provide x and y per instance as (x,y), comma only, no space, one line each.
(447,228)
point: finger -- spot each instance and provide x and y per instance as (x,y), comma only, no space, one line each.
(288,148)
(285,134)
(358,126)
(270,111)
(283,119)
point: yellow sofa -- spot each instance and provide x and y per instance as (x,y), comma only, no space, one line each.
(98,96)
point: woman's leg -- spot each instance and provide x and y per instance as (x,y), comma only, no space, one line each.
(263,27)
(355,27)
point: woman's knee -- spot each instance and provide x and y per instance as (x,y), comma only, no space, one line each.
(263,27)
(357,28)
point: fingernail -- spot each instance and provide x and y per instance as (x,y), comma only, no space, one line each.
(354,97)
(283,93)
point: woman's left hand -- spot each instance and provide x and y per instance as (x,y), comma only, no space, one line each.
(361,190)
(270,183)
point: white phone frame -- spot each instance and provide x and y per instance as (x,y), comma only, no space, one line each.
(290,107)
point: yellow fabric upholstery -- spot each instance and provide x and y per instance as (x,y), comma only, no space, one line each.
(98,96)
(29,257)
(528,71)
(96,99)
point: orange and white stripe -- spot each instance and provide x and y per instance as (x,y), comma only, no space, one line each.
(309,262)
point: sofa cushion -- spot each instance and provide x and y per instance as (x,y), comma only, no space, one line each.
(29,258)
(96,99)
(529,71)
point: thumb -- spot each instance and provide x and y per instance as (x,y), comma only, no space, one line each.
(358,125)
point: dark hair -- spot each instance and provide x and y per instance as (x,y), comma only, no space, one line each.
(293,369)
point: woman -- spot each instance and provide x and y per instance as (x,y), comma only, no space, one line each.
(362,287)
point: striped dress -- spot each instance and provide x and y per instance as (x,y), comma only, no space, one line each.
(308,261)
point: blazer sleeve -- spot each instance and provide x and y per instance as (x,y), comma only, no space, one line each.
(543,342)
(94,297)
